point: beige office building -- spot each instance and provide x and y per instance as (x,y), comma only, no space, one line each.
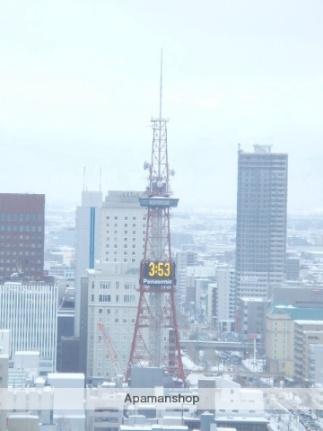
(279,344)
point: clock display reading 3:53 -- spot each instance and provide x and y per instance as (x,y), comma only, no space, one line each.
(158,272)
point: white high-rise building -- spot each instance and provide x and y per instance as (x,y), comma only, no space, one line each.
(183,260)
(225,298)
(87,242)
(123,227)
(29,311)
(112,285)
(112,306)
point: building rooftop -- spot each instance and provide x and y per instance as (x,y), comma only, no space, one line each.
(122,199)
(66,376)
(309,322)
(238,419)
(252,299)
(26,353)
(298,313)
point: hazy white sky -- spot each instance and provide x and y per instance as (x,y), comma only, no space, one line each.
(79,83)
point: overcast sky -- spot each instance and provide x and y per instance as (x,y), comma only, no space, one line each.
(79,84)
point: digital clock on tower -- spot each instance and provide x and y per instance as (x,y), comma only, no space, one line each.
(158,273)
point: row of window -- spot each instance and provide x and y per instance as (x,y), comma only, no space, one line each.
(12,269)
(115,253)
(125,232)
(114,310)
(20,228)
(21,217)
(24,237)
(125,225)
(108,298)
(117,260)
(20,244)
(125,218)
(124,246)
(125,239)
(10,260)
(108,285)
(20,253)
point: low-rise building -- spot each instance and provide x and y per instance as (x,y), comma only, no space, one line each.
(280,336)
(307,333)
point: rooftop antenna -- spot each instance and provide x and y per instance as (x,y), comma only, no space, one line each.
(100,180)
(84,175)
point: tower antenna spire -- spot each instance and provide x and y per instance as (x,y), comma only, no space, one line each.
(161,86)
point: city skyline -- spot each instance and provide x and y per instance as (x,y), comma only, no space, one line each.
(118,311)
(231,76)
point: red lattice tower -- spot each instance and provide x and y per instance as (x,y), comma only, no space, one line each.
(156,337)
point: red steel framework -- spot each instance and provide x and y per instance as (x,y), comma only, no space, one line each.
(156,336)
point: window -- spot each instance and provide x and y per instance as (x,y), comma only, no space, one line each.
(104,298)
(128,298)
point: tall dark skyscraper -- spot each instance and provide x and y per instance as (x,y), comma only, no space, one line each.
(22,220)
(261,221)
